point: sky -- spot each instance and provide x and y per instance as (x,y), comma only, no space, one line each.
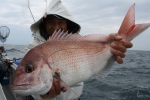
(94,16)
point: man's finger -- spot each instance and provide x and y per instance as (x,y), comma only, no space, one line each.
(127,44)
(115,37)
(117,53)
(44,96)
(52,92)
(119,60)
(57,87)
(118,46)
(63,89)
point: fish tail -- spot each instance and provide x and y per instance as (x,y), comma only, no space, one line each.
(128,29)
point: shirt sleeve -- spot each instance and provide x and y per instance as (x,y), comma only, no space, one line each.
(72,93)
(35,42)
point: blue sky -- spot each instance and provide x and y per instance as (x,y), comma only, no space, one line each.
(98,16)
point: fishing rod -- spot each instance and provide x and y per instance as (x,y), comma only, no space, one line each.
(31,11)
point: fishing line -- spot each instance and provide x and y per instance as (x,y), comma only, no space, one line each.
(57,77)
(46,10)
(30,10)
(27,10)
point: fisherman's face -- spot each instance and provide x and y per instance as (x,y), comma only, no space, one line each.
(53,23)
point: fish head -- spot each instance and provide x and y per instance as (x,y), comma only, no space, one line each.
(33,75)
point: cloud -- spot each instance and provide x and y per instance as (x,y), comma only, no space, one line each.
(106,17)
(94,17)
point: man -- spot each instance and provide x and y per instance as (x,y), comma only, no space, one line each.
(57,17)
(2,68)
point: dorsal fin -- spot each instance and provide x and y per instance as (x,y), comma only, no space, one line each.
(61,35)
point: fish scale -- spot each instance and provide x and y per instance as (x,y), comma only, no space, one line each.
(75,62)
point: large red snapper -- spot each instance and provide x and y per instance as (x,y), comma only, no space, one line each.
(77,57)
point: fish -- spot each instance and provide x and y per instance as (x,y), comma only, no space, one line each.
(74,57)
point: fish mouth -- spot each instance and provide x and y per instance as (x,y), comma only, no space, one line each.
(22,89)
(21,86)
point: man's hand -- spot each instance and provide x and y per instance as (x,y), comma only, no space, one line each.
(119,47)
(54,91)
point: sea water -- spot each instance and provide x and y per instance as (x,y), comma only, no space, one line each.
(127,81)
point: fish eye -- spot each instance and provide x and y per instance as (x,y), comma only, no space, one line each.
(29,68)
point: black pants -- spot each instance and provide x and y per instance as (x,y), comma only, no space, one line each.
(2,73)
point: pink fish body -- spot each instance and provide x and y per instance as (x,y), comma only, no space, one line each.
(77,57)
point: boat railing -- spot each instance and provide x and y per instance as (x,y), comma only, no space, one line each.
(2,95)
